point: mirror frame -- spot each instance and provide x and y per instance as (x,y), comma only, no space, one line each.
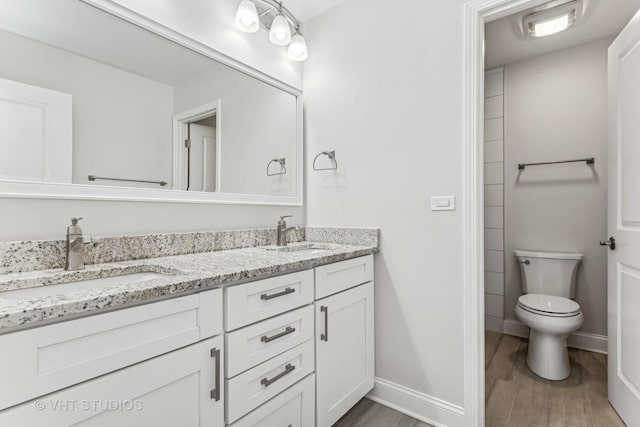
(48,190)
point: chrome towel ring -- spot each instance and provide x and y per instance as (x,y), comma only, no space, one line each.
(331,155)
(282,162)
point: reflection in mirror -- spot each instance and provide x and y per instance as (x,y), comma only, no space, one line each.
(121,106)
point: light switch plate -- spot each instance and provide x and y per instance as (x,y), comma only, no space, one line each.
(443,203)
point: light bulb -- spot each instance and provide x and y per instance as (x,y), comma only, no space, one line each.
(247,17)
(298,48)
(552,26)
(280,33)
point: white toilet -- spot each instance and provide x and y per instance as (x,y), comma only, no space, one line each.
(548,283)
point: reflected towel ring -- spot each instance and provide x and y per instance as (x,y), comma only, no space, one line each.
(282,162)
(331,155)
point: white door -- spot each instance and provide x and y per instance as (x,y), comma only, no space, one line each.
(203,158)
(35,133)
(624,223)
(181,388)
(344,352)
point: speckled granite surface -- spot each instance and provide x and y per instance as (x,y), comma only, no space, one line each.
(343,235)
(47,254)
(185,273)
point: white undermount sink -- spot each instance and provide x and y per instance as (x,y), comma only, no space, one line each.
(85,284)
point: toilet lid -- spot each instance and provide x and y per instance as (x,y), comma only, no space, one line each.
(549,304)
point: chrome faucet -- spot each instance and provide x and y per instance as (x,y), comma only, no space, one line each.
(283,231)
(75,246)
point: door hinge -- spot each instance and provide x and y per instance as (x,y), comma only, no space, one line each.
(187,144)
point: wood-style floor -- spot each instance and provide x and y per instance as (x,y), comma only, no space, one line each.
(370,414)
(517,397)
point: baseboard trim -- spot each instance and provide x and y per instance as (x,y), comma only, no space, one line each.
(420,406)
(580,340)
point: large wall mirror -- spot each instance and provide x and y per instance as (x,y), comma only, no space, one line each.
(96,106)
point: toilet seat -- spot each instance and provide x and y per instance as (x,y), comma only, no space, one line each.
(549,305)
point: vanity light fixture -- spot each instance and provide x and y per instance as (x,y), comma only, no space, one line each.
(280,33)
(272,16)
(298,48)
(247,19)
(552,18)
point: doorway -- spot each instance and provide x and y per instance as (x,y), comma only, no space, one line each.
(197,148)
(477,14)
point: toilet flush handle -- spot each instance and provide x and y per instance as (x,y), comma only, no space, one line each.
(525,262)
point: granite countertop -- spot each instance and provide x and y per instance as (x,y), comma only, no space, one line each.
(181,274)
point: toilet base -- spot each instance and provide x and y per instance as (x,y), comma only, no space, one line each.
(548,356)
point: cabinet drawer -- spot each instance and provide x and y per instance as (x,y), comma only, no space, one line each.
(336,277)
(251,389)
(52,357)
(250,346)
(255,301)
(293,407)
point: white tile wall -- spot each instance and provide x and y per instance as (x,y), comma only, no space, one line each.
(493,107)
(493,305)
(494,173)
(494,283)
(494,239)
(494,151)
(494,83)
(494,199)
(493,217)
(493,129)
(494,261)
(494,195)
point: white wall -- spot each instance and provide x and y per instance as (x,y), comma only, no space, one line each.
(556,109)
(494,199)
(401,70)
(211,22)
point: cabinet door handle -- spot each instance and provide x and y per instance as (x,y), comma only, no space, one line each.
(324,309)
(215,393)
(287,370)
(287,291)
(289,330)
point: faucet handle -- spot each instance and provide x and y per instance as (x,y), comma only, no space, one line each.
(74,221)
(282,222)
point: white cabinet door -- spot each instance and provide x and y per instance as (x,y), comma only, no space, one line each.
(344,352)
(181,388)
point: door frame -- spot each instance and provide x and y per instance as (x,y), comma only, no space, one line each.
(476,14)
(180,122)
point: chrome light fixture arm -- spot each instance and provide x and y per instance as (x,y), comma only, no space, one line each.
(273,8)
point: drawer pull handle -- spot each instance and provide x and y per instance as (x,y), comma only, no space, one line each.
(287,291)
(215,393)
(324,309)
(289,330)
(287,370)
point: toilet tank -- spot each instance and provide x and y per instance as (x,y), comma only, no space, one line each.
(549,273)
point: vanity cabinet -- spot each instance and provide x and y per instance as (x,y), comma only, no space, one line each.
(344,337)
(180,388)
(294,350)
(157,356)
